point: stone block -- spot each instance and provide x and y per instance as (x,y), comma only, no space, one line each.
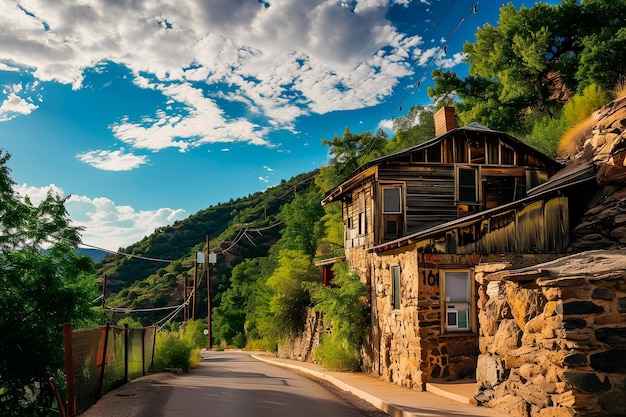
(489,371)
(621,304)
(604,319)
(556,412)
(612,336)
(506,338)
(575,359)
(587,381)
(611,361)
(578,307)
(603,293)
(613,403)
(574,323)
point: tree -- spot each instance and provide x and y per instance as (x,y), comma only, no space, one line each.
(535,60)
(300,217)
(39,292)
(416,127)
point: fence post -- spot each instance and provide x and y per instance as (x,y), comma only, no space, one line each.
(156,329)
(126,343)
(105,345)
(69,369)
(143,351)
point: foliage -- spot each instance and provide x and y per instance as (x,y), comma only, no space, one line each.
(131,322)
(300,217)
(345,310)
(171,352)
(535,59)
(193,333)
(337,354)
(40,292)
(288,296)
(416,127)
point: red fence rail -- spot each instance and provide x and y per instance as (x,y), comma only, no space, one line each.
(102,359)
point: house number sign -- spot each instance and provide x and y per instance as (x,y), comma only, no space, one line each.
(430,277)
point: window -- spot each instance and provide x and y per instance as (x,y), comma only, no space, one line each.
(392,200)
(457,287)
(467,190)
(395,276)
(362,224)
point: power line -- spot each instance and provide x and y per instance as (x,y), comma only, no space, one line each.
(145,258)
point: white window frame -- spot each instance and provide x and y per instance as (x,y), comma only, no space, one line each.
(461,307)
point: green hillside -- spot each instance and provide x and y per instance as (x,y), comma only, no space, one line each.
(150,273)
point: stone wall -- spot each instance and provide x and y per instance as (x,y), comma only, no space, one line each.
(302,347)
(553,337)
(413,349)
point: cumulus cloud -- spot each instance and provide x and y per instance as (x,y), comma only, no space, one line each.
(112,160)
(281,62)
(14,105)
(107,225)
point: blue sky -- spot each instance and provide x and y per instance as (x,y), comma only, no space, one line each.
(146,112)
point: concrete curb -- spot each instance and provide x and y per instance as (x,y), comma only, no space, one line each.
(382,405)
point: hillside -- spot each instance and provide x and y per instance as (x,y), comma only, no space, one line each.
(150,273)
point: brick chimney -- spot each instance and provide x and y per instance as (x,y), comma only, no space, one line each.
(445,120)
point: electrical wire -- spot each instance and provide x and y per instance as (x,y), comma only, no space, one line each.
(145,258)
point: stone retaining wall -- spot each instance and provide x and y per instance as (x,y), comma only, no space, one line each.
(553,337)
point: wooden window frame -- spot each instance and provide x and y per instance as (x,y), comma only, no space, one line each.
(396,287)
(400,202)
(477,183)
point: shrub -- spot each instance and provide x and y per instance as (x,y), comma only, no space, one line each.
(171,353)
(239,341)
(178,349)
(337,354)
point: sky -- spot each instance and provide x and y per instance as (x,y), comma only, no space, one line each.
(144,112)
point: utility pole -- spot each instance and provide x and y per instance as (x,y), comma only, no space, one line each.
(207,266)
(185,298)
(195,288)
(104,291)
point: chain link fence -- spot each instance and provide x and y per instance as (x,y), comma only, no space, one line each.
(102,359)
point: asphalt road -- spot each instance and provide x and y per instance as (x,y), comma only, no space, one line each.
(232,384)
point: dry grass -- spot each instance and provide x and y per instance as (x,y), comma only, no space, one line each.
(620,90)
(573,140)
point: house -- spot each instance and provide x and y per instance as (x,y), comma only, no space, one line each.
(465,243)
(415,229)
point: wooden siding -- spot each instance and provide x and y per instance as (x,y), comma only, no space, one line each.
(361,230)
(540,227)
(428,191)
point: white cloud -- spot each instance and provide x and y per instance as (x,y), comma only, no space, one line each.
(14,105)
(112,160)
(283,61)
(264,179)
(268,169)
(107,225)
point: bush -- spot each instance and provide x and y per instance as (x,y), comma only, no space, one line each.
(176,349)
(239,341)
(337,354)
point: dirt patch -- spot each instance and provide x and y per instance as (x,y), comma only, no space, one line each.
(142,397)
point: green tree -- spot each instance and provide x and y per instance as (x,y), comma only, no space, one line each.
(38,293)
(288,296)
(535,59)
(300,217)
(345,310)
(416,127)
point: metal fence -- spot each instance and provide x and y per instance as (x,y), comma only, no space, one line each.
(102,359)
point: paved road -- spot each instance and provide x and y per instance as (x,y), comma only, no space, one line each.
(232,384)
